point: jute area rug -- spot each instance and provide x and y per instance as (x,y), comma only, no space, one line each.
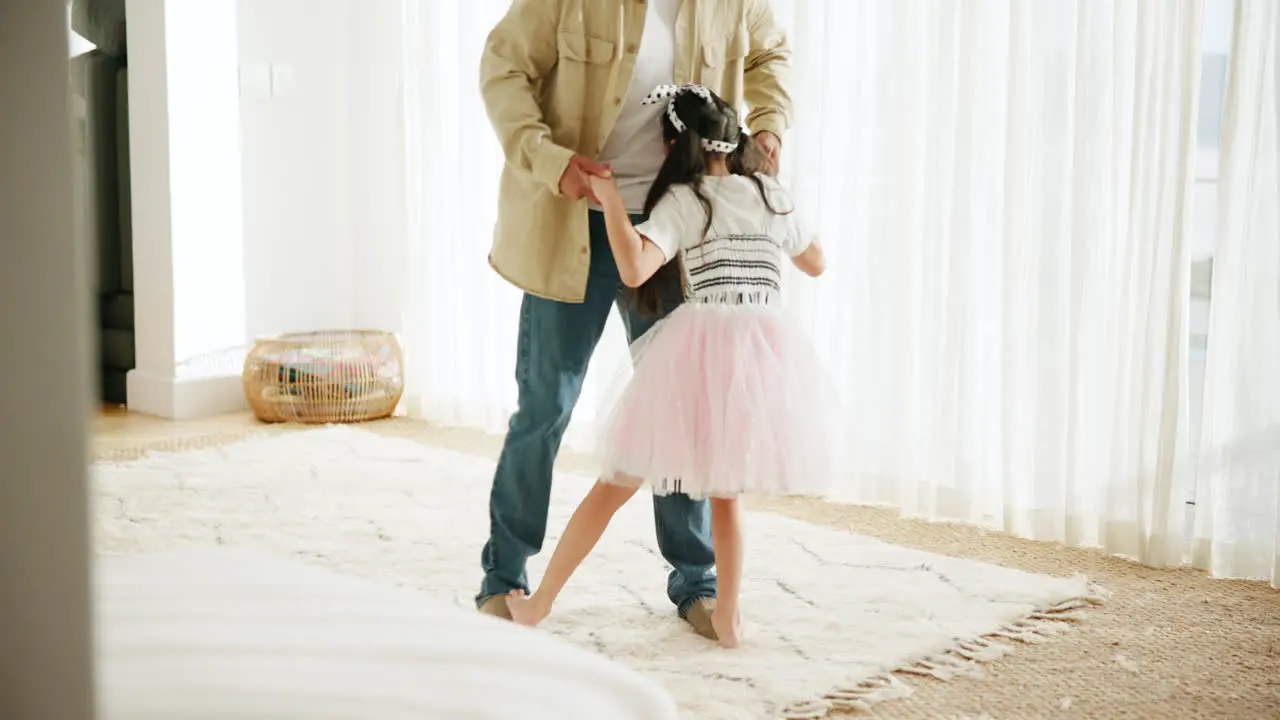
(835,619)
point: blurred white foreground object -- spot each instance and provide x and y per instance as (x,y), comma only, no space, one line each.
(230,635)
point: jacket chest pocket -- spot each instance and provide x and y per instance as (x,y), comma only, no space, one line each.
(720,51)
(582,73)
(723,62)
(577,47)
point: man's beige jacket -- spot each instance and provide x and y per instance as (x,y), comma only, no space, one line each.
(553,76)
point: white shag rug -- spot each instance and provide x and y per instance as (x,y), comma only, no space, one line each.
(833,618)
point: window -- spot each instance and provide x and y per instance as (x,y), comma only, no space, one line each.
(1215,55)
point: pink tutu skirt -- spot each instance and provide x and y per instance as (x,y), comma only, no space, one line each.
(724,399)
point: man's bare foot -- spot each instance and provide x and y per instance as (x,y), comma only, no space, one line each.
(728,627)
(524,609)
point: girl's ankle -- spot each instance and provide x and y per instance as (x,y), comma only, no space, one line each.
(543,609)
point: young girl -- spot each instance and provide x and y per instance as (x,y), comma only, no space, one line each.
(726,396)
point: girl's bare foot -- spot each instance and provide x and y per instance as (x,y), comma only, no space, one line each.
(525,610)
(728,626)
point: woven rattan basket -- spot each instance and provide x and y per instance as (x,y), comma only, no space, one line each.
(334,376)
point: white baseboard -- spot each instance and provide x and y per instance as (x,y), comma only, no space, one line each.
(184,398)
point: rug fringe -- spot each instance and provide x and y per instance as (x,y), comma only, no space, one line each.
(964,659)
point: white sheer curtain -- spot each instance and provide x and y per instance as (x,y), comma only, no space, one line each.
(1237,519)
(1003,190)
(458,324)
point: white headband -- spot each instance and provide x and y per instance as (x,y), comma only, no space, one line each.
(662,92)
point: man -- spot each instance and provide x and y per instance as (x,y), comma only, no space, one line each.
(562,81)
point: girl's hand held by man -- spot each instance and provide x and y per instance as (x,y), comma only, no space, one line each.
(604,189)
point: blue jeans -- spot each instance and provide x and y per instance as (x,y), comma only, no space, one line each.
(555,345)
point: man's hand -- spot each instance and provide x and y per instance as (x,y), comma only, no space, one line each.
(575,183)
(771,146)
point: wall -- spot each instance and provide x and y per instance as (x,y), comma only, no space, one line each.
(46,663)
(322,160)
(377,163)
(296,184)
(185,176)
(205,174)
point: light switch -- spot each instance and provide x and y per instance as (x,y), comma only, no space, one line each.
(283,80)
(255,81)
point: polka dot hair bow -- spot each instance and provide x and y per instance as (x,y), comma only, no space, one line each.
(670,93)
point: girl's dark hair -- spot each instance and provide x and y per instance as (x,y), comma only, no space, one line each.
(686,164)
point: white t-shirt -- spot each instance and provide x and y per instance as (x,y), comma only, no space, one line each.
(634,148)
(739,258)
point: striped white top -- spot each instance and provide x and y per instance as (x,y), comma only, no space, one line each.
(738,260)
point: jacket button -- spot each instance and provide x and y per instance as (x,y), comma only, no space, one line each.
(617,101)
